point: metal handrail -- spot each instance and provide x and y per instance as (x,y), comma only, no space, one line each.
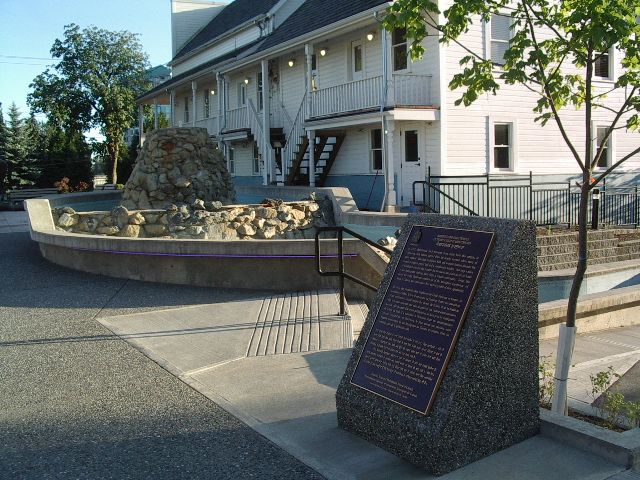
(341,273)
(444,194)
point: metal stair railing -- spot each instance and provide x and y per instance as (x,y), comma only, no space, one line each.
(340,272)
(293,138)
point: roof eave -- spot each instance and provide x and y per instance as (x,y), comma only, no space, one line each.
(219,38)
(283,47)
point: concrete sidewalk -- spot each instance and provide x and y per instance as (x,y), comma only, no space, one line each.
(290,398)
(12,222)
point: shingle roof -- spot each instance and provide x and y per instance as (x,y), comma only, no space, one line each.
(244,50)
(231,16)
(315,14)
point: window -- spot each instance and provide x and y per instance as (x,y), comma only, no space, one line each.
(500,36)
(605,159)
(256,160)
(186,109)
(502,152)
(260,99)
(399,46)
(411,146)
(314,73)
(601,66)
(357,57)
(232,160)
(207,109)
(242,94)
(376,149)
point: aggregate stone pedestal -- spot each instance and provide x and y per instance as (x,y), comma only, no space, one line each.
(488,398)
(177,165)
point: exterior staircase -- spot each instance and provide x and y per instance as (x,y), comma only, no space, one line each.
(326,150)
(560,251)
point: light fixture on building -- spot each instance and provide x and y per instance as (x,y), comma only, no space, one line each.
(323,51)
(213,92)
(371,36)
(246,80)
(292,62)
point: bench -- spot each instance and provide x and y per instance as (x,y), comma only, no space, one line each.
(105,186)
(17,196)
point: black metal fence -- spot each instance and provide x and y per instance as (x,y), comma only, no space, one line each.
(523,198)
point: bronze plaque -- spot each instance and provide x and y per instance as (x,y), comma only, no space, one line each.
(422,312)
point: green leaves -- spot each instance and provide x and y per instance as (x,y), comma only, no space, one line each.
(95,82)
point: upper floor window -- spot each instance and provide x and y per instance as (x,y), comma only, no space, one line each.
(186,109)
(206,104)
(242,94)
(605,159)
(500,36)
(399,47)
(602,66)
(376,149)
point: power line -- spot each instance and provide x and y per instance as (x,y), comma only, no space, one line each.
(26,58)
(22,63)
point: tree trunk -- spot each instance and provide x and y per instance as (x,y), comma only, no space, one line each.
(113,154)
(566,338)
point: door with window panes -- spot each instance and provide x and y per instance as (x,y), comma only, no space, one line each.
(412,162)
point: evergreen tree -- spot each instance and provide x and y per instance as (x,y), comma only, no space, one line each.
(3,162)
(22,168)
(65,153)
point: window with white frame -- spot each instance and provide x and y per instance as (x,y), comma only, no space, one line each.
(206,104)
(376,149)
(256,160)
(602,65)
(605,159)
(186,109)
(503,155)
(500,37)
(232,160)
(242,94)
(399,48)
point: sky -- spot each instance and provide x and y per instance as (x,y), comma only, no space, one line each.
(29,28)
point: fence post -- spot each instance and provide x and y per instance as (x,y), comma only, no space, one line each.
(530,195)
(488,197)
(635,206)
(570,209)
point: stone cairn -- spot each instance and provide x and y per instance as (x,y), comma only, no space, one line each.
(206,220)
(177,166)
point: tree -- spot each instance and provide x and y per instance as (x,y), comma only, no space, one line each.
(94,84)
(3,162)
(554,50)
(22,169)
(63,153)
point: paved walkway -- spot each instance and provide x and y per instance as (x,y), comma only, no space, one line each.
(78,402)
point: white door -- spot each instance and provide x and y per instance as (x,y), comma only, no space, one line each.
(412,162)
(357,60)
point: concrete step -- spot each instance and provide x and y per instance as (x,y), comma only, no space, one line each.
(358,311)
(572,247)
(570,237)
(300,322)
(571,257)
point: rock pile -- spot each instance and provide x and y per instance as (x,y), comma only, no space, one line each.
(177,165)
(206,220)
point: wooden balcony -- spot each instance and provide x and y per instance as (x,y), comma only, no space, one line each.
(368,94)
(237,119)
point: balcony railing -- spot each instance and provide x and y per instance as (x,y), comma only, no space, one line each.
(404,90)
(211,124)
(348,97)
(411,90)
(237,119)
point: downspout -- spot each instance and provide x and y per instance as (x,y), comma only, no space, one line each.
(383,102)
